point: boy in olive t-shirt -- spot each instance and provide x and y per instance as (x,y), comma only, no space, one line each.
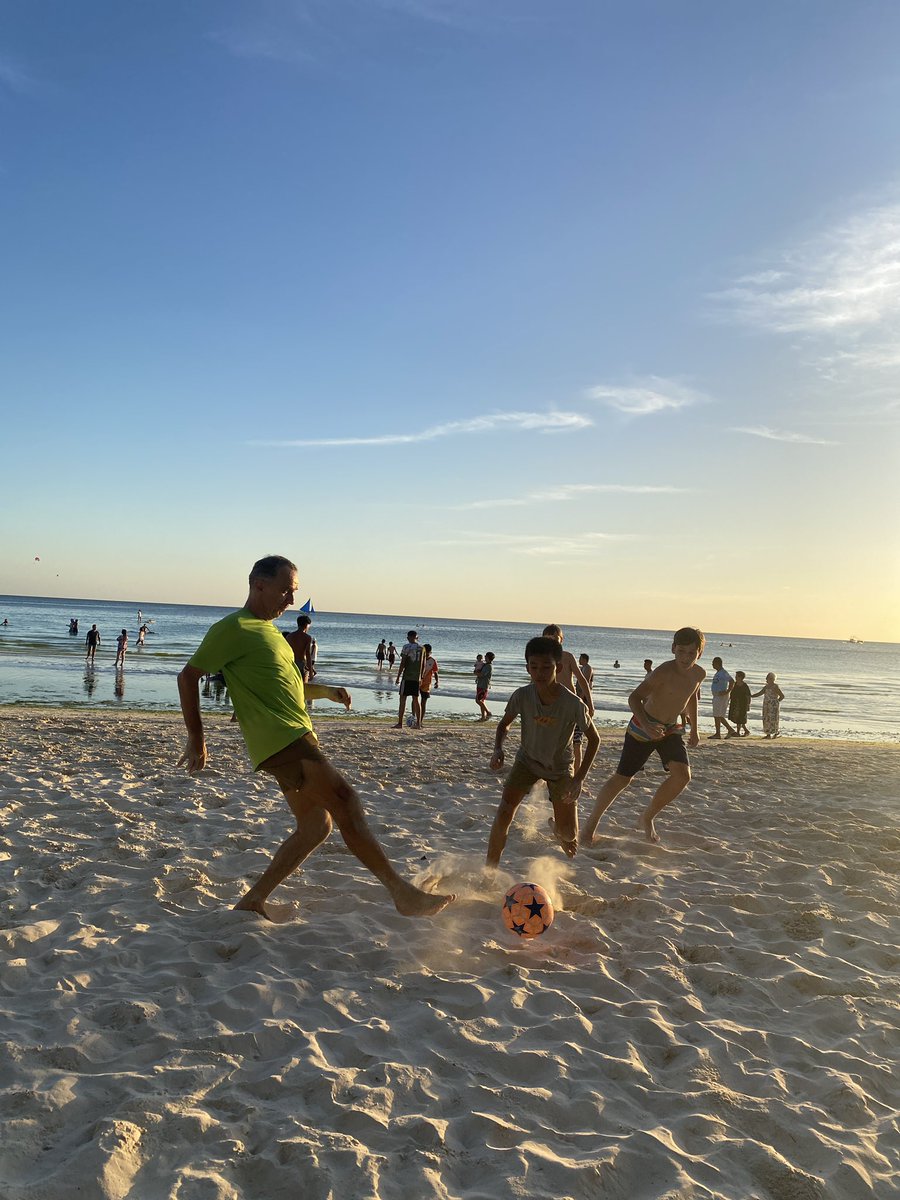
(549,715)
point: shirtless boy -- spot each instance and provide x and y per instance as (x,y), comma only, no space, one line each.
(550,714)
(657,704)
(300,642)
(571,676)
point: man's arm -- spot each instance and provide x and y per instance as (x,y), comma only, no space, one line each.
(195,756)
(321,691)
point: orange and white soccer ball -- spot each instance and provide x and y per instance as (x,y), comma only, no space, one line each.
(527,910)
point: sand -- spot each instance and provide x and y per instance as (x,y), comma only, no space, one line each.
(715,1016)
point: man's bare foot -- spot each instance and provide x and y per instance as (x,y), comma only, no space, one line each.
(277,913)
(713,737)
(399,725)
(412,902)
(646,824)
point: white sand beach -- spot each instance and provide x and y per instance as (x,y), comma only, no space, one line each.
(715,1016)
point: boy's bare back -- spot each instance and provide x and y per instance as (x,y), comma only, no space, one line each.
(666,691)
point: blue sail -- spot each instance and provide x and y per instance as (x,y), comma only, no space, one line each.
(307,607)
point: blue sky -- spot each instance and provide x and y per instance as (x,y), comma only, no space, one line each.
(583,312)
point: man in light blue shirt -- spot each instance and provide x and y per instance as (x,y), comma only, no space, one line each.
(722,683)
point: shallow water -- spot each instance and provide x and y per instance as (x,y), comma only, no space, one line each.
(832,689)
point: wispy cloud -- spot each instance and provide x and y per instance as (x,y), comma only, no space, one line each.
(538,545)
(570,491)
(651,395)
(277,45)
(305,31)
(782,435)
(847,278)
(549,422)
(14,78)
(456,14)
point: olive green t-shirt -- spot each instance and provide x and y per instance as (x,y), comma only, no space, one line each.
(547,730)
(264,681)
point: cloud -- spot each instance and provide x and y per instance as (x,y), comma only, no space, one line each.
(305,31)
(549,422)
(275,45)
(454,14)
(15,79)
(537,545)
(653,395)
(782,435)
(847,278)
(569,491)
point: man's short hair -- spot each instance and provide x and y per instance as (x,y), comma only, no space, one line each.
(740,675)
(303,620)
(412,634)
(717,663)
(268,567)
(553,631)
(689,636)
(427,648)
(586,657)
(543,647)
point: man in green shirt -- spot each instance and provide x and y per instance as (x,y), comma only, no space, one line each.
(269,699)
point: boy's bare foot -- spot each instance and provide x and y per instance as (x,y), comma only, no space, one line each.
(646,824)
(569,845)
(411,902)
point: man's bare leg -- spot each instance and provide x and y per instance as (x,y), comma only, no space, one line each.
(503,818)
(677,780)
(399,724)
(614,786)
(313,827)
(327,788)
(417,711)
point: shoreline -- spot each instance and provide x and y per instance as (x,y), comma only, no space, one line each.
(374,721)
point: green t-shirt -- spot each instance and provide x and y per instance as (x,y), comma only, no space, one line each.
(264,682)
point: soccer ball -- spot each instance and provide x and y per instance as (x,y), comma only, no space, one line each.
(527,910)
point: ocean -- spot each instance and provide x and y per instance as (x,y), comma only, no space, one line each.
(832,689)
